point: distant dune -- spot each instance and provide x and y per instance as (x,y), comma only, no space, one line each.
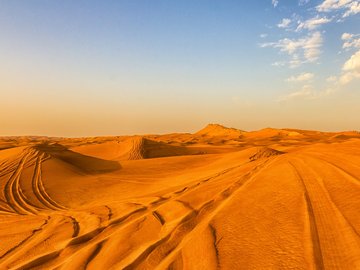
(221,198)
(214,130)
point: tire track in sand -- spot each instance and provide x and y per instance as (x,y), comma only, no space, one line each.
(33,233)
(160,254)
(14,194)
(317,254)
(335,234)
(38,186)
(94,237)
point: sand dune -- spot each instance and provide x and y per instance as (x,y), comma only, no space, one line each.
(214,130)
(133,148)
(220,198)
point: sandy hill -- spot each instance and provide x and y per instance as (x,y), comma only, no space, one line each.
(221,198)
(215,130)
(272,132)
(133,148)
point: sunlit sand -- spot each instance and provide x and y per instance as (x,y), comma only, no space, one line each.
(220,198)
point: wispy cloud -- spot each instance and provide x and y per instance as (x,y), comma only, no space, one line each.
(346,36)
(285,23)
(303,77)
(351,69)
(303,44)
(350,41)
(353,8)
(274,2)
(305,92)
(308,92)
(348,7)
(329,5)
(313,23)
(302,50)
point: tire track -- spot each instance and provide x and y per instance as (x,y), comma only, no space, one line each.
(215,243)
(33,233)
(329,222)
(92,256)
(76,226)
(346,176)
(163,252)
(317,254)
(38,186)
(349,174)
(9,166)
(14,195)
(102,233)
(159,217)
(114,226)
(37,247)
(15,199)
(110,213)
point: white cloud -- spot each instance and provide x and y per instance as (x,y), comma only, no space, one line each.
(351,69)
(305,92)
(274,2)
(355,43)
(354,8)
(296,61)
(329,5)
(306,76)
(350,7)
(263,35)
(284,23)
(313,23)
(348,77)
(350,41)
(312,46)
(303,50)
(346,36)
(308,92)
(353,64)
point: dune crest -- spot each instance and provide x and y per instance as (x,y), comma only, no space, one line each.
(214,130)
(221,198)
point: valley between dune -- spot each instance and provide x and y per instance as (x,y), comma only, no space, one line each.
(220,198)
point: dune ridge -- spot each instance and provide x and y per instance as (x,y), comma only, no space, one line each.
(219,130)
(220,198)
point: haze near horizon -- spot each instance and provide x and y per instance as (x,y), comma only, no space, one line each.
(91,68)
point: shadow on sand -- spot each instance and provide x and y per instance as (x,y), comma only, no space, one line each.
(87,164)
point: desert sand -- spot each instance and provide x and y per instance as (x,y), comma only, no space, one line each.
(220,198)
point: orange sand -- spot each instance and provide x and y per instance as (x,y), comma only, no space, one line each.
(217,199)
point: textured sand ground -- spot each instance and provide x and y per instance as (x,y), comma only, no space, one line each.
(217,199)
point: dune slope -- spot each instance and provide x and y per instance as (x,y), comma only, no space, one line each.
(272,199)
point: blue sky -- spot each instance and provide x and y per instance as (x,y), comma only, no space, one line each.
(77,68)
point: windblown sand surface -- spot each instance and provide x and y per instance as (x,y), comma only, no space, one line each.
(217,199)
